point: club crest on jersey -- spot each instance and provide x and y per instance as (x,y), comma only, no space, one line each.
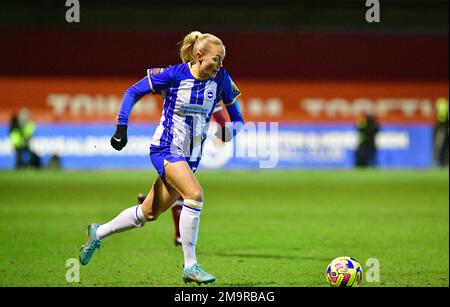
(156,71)
(210,95)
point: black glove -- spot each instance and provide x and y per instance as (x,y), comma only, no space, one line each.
(224,134)
(119,139)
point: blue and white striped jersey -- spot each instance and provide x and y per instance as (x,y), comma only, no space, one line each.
(188,103)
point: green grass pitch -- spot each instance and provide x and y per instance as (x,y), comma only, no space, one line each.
(258,228)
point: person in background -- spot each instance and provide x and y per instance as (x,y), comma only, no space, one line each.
(366,152)
(441,133)
(21,131)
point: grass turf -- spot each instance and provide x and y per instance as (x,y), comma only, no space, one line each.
(274,228)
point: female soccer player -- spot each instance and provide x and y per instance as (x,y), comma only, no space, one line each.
(190,91)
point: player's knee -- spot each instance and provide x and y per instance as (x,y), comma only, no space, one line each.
(195,194)
(150,215)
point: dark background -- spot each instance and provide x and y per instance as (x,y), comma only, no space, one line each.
(307,40)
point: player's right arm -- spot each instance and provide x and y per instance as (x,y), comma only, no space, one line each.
(157,79)
(131,96)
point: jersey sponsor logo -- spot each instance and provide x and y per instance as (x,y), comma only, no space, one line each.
(191,109)
(156,71)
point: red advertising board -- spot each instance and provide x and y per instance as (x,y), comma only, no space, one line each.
(77,99)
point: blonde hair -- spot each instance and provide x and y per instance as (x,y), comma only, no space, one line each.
(197,41)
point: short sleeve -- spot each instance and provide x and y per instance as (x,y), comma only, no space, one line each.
(159,78)
(230,91)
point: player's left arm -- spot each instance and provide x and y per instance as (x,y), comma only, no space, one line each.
(227,132)
(229,96)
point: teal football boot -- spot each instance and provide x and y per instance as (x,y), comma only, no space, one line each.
(197,274)
(88,249)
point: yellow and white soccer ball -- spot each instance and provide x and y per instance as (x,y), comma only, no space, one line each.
(344,272)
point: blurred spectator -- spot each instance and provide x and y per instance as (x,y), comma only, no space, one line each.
(21,131)
(441,141)
(54,162)
(365,155)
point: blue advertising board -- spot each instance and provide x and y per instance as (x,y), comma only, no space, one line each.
(259,145)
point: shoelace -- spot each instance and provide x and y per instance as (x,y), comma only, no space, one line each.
(92,247)
(198,270)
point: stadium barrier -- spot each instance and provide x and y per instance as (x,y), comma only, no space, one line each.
(263,146)
(315,122)
(62,100)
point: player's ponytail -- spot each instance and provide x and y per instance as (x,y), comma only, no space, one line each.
(187,47)
(197,41)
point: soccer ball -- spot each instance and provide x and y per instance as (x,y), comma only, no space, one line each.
(344,272)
